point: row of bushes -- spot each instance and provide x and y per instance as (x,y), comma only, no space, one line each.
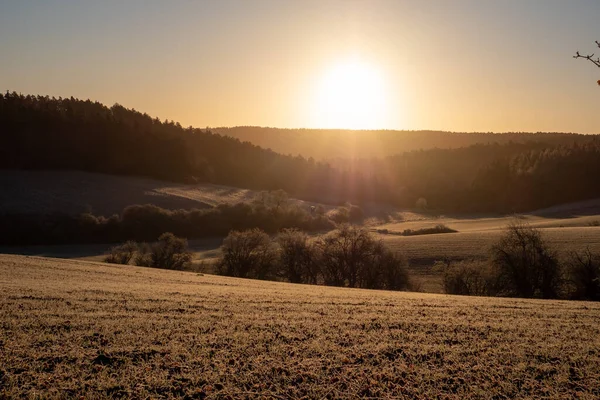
(168,252)
(523,264)
(439,228)
(147,222)
(349,256)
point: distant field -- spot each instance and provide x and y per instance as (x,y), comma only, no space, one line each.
(425,249)
(75,192)
(476,234)
(73,329)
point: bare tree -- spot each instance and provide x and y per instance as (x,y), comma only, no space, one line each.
(526,264)
(247,254)
(590,57)
(298,257)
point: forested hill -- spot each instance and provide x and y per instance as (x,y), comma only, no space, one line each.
(324,144)
(519,175)
(48,133)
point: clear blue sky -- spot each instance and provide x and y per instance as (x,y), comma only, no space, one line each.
(453,65)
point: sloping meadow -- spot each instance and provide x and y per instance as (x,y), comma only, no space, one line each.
(76,329)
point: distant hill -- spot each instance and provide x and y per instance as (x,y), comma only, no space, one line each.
(322,144)
(512,172)
(44,133)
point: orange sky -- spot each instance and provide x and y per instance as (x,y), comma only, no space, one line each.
(448,65)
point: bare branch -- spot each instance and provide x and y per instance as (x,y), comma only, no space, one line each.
(590,57)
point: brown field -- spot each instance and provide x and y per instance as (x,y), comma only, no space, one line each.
(76,329)
(476,235)
(567,228)
(424,249)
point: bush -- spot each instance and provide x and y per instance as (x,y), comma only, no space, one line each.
(298,258)
(526,265)
(468,278)
(143,256)
(440,228)
(121,254)
(352,257)
(583,272)
(169,252)
(340,215)
(247,254)
(394,275)
(348,213)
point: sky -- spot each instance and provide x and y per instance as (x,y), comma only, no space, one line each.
(460,65)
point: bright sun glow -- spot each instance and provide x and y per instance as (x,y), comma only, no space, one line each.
(351,95)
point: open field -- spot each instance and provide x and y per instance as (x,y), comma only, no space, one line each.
(567,228)
(71,328)
(425,249)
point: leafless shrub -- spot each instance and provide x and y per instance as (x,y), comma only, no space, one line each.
(467,278)
(583,272)
(168,252)
(298,258)
(247,254)
(352,257)
(526,265)
(142,256)
(121,254)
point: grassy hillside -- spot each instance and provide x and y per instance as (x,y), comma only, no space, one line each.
(75,329)
(477,233)
(74,192)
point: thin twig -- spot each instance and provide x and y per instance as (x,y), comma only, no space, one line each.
(590,57)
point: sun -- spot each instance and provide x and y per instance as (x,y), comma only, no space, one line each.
(351,95)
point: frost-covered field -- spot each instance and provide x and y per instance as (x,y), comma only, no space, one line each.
(73,329)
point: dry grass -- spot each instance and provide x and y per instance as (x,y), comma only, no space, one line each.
(423,250)
(90,330)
